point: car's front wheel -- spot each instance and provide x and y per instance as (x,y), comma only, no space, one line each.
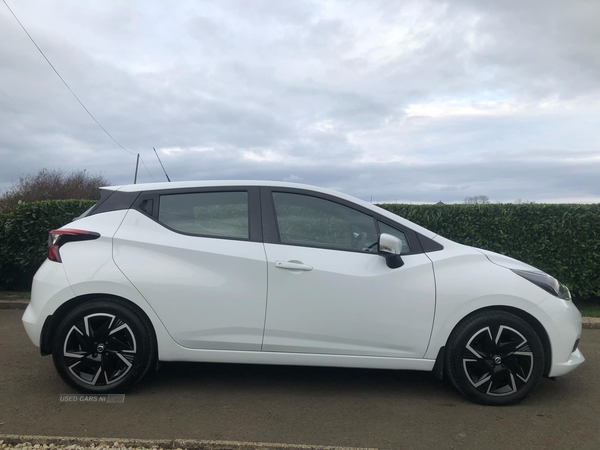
(494,358)
(103,346)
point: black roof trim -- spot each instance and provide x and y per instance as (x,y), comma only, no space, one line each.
(429,245)
(114,201)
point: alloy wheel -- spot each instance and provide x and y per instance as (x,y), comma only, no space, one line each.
(498,362)
(99,349)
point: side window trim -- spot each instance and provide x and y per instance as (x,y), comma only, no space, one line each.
(271,232)
(254,215)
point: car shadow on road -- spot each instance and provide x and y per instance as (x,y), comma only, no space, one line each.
(297,381)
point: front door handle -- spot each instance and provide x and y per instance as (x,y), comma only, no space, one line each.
(293,265)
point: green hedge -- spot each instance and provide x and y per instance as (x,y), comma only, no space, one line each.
(562,240)
(24,237)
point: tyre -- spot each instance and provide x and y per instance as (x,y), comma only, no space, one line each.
(494,358)
(103,346)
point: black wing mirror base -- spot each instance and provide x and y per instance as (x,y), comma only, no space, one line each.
(394,261)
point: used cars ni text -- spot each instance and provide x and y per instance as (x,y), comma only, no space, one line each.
(281,273)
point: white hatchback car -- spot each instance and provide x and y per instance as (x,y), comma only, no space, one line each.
(280,273)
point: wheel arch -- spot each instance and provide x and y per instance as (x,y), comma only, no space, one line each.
(52,321)
(531,320)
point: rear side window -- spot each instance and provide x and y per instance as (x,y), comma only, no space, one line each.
(218,214)
(313,221)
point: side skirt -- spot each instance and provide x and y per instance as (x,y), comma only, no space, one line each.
(298,359)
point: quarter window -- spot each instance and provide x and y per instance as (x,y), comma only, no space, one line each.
(312,221)
(218,214)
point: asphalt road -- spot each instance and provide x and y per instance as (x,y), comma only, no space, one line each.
(301,405)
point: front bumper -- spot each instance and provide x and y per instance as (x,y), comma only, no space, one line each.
(575,360)
(562,321)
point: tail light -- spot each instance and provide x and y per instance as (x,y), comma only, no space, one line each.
(61,236)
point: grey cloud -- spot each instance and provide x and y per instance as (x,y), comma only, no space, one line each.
(311,92)
(430,182)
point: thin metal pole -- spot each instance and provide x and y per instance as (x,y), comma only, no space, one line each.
(161,164)
(137,162)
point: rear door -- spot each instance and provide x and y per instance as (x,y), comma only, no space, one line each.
(329,290)
(196,256)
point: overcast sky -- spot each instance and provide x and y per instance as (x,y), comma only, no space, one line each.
(409,101)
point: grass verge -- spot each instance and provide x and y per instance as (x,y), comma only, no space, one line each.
(589,310)
(15,295)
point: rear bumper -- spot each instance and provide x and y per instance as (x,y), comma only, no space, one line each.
(49,290)
(32,326)
(562,321)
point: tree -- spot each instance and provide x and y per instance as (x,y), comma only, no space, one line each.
(477,200)
(520,201)
(53,185)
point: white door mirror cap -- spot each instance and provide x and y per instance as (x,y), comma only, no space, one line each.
(389,245)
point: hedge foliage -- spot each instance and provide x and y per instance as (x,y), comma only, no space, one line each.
(24,237)
(560,239)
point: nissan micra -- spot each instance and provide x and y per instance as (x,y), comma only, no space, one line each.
(280,273)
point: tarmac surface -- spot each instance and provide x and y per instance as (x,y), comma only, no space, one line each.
(298,405)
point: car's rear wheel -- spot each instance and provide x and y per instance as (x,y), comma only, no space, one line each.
(494,358)
(103,346)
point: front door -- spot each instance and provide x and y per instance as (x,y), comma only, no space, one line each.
(331,293)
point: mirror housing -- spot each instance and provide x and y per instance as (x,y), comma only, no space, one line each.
(390,247)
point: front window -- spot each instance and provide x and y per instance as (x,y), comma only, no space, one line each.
(313,221)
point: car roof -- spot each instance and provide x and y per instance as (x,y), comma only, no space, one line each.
(143,187)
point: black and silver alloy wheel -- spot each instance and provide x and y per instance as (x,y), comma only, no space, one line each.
(99,349)
(498,365)
(494,358)
(103,346)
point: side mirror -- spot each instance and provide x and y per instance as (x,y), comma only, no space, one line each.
(390,248)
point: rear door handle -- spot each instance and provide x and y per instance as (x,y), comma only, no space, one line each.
(293,265)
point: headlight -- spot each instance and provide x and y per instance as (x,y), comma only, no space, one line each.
(546,282)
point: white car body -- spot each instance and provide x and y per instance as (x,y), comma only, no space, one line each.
(226,300)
